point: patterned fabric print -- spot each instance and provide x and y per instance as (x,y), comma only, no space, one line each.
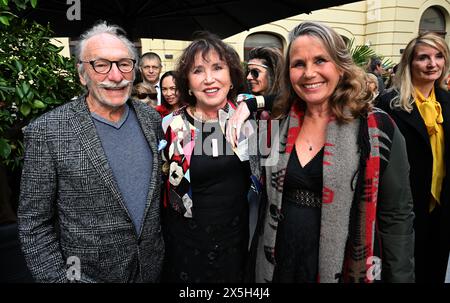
(180,136)
(289,129)
(360,245)
(341,152)
(277,179)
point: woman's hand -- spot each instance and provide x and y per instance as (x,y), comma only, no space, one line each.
(235,123)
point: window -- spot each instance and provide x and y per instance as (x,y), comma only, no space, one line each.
(261,39)
(433,20)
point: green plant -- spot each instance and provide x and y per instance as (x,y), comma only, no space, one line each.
(5,10)
(361,55)
(34,78)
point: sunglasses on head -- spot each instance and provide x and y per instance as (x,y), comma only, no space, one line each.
(254,73)
(145,95)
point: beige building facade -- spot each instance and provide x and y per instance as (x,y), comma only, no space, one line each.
(385,25)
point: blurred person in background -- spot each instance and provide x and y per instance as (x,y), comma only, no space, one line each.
(372,83)
(264,74)
(150,67)
(170,100)
(376,68)
(145,93)
(264,70)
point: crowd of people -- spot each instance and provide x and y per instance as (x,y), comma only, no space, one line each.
(149,178)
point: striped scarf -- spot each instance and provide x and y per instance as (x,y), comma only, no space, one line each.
(354,155)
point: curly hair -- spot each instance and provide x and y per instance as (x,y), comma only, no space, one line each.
(351,98)
(204,43)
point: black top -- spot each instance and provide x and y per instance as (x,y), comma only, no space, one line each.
(308,177)
(218,182)
(211,246)
(297,244)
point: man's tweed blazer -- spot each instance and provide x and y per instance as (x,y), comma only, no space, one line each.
(70,204)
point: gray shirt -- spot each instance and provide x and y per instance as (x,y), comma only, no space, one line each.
(130,159)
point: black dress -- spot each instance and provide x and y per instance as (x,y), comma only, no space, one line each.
(212,245)
(297,243)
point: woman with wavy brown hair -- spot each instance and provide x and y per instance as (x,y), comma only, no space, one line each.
(339,187)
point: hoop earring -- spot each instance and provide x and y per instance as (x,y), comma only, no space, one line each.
(231,87)
(190,92)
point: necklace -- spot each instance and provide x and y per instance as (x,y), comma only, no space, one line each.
(199,117)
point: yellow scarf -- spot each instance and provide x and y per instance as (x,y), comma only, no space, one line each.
(431,113)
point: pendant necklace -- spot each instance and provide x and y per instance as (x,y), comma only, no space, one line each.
(214,141)
(309,144)
(200,117)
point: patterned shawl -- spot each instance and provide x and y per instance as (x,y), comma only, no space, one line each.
(351,170)
(180,136)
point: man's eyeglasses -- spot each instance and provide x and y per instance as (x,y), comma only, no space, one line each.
(254,73)
(103,66)
(152,96)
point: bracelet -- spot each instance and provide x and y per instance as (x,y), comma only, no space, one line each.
(242,97)
(260,102)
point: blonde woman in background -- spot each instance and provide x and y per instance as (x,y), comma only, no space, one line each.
(145,93)
(420,106)
(372,84)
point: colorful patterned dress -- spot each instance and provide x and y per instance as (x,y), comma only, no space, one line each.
(205,218)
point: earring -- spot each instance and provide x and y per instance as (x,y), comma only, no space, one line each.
(231,87)
(190,92)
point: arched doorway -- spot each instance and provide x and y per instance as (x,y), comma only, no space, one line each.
(261,39)
(433,20)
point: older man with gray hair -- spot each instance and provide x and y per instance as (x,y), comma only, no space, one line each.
(89,202)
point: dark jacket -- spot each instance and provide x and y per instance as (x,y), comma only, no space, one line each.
(420,159)
(70,203)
